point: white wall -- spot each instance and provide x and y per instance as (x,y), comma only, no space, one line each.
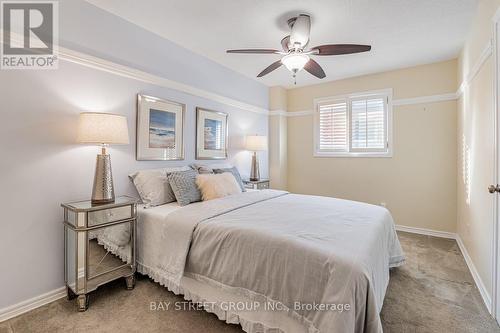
(41,166)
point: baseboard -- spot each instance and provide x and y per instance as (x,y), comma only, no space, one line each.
(477,279)
(427,232)
(31,304)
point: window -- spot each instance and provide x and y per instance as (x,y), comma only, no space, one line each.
(354,125)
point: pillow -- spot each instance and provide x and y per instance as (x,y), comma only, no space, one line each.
(213,186)
(184,186)
(153,187)
(209,168)
(236,175)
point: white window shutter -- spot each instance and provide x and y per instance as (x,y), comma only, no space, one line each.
(368,124)
(356,125)
(333,132)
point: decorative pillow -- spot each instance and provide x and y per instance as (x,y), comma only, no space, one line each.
(184,186)
(209,168)
(236,175)
(213,186)
(153,187)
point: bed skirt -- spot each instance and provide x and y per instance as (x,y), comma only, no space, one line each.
(217,299)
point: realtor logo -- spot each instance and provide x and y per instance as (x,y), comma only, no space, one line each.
(29,35)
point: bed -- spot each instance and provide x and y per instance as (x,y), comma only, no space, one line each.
(273,261)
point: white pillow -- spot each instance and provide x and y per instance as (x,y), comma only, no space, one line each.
(153,186)
(213,186)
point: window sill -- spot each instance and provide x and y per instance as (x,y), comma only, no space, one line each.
(353,155)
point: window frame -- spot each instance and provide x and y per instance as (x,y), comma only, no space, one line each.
(386,93)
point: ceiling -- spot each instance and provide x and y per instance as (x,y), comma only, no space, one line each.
(402,33)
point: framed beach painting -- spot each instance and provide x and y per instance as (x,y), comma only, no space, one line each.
(211,134)
(160,125)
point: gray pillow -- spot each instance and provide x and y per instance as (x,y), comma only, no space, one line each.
(183,184)
(236,175)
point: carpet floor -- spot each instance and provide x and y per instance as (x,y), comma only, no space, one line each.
(433,292)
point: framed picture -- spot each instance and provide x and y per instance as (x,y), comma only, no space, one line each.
(211,134)
(160,125)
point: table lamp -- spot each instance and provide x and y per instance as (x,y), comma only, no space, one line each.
(103,129)
(255,143)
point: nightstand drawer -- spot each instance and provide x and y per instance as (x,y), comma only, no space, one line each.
(262,186)
(249,186)
(257,184)
(109,215)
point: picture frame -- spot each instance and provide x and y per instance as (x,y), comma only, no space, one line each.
(160,129)
(211,134)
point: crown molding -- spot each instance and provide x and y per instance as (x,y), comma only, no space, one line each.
(300,113)
(132,73)
(483,57)
(485,54)
(425,99)
(101,64)
(284,113)
(278,113)
(395,102)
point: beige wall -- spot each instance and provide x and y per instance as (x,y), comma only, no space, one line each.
(476,134)
(418,183)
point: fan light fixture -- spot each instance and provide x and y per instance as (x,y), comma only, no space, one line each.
(295,51)
(295,62)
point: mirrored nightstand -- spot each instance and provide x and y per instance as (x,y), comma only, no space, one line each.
(99,246)
(261,184)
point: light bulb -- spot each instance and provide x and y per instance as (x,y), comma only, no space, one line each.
(294,62)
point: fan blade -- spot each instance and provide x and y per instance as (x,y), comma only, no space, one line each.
(335,49)
(301,28)
(270,68)
(315,69)
(285,42)
(254,51)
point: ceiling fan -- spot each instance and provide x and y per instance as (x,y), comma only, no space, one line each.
(295,56)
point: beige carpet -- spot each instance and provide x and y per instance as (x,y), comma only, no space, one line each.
(433,292)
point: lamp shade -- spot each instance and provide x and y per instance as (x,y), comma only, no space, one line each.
(102,128)
(256,142)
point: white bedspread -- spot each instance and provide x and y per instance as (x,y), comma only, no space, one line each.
(295,250)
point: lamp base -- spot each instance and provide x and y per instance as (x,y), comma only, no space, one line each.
(101,202)
(254,171)
(103,191)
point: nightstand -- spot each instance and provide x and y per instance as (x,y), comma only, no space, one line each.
(257,184)
(99,246)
